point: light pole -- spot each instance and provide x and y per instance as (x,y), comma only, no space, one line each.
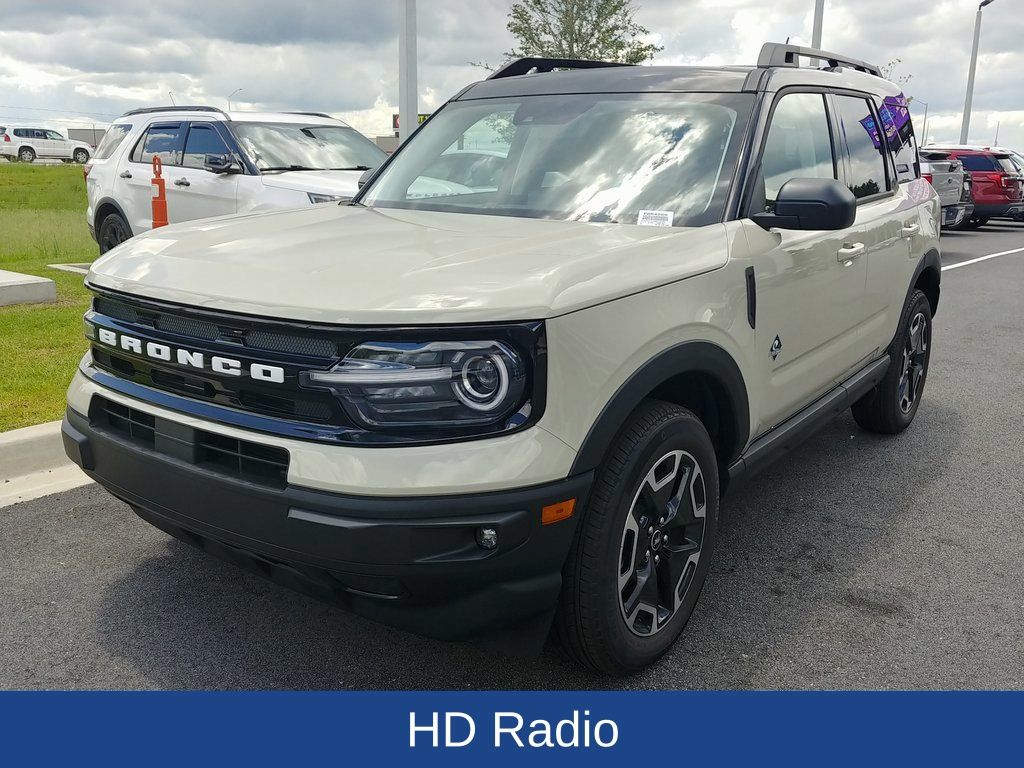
(924,124)
(237,90)
(965,126)
(408,109)
(819,12)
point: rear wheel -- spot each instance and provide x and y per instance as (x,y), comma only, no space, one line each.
(27,155)
(891,405)
(643,546)
(112,232)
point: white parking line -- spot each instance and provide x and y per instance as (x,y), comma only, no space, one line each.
(981,258)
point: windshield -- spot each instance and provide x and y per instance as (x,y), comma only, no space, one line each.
(294,146)
(659,159)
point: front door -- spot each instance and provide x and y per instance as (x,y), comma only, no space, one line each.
(59,146)
(194,192)
(810,284)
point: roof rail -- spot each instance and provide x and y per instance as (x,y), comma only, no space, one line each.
(148,110)
(526,65)
(785,55)
(314,114)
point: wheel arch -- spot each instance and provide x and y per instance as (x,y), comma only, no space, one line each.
(104,208)
(698,375)
(927,278)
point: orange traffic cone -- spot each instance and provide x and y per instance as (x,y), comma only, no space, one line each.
(159,195)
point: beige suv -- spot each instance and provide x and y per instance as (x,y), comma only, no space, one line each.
(505,387)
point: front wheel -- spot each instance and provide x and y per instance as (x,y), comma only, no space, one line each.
(81,156)
(643,547)
(892,404)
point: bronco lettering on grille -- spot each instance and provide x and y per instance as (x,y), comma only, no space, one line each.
(226,366)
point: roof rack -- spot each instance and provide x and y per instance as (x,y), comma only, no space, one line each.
(526,65)
(785,55)
(148,110)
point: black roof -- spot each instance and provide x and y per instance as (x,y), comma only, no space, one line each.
(615,80)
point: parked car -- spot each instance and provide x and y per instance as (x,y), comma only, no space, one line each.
(477,414)
(952,184)
(217,163)
(26,143)
(998,185)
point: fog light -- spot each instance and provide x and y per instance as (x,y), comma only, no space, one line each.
(487,538)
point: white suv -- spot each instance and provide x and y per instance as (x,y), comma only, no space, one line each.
(217,163)
(476,412)
(26,143)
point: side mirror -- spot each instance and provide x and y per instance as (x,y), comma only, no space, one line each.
(365,177)
(811,204)
(220,164)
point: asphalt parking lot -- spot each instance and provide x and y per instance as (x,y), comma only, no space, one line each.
(859,562)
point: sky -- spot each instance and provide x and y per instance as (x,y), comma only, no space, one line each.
(74,63)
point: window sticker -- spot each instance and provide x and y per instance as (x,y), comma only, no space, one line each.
(654,218)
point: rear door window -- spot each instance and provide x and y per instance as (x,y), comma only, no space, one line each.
(203,140)
(978,162)
(163,140)
(111,140)
(867,174)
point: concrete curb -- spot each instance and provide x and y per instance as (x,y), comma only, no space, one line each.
(33,464)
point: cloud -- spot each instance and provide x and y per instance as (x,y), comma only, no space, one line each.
(92,61)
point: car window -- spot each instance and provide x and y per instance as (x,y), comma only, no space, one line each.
(894,113)
(1006,164)
(21,133)
(472,163)
(799,143)
(867,174)
(978,162)
(111,140)
(37,134)
(202,140)
(163,141)
(54,136)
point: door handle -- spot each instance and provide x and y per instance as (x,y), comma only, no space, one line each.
(910,230)
(850,251)
(182,182)
(125,174)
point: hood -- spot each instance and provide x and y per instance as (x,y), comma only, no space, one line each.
(355,265)
(324,182)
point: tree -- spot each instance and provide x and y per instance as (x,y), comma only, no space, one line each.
(889,72)
(579,29)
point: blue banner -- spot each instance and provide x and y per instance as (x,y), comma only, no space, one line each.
(558,728)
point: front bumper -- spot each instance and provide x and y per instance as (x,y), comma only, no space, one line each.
(411,562)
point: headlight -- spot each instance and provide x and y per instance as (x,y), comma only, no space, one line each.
(438,384)
(316,197)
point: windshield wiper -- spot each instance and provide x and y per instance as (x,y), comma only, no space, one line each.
(291,168)
(351,168)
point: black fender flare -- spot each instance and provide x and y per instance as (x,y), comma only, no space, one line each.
(932,259)
(109,202)
(687,357)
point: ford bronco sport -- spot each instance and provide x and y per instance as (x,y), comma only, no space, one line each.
(477,407)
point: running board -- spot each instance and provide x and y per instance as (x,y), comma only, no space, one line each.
(797,428)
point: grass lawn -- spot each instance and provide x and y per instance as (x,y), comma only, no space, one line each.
(42,221)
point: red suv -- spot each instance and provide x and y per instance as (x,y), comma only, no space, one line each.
(997,185)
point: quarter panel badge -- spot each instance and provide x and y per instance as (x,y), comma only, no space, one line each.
(776,349)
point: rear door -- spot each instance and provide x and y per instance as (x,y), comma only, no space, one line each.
(164,140)
(887,223)
(809,284)
(194,192)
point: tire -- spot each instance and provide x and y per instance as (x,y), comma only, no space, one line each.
(890,407)
(27,155)
(80,156)
(975,222)
(662,452)
(113,231)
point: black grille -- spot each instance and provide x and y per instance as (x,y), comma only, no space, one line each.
(263,464)
(231,331)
